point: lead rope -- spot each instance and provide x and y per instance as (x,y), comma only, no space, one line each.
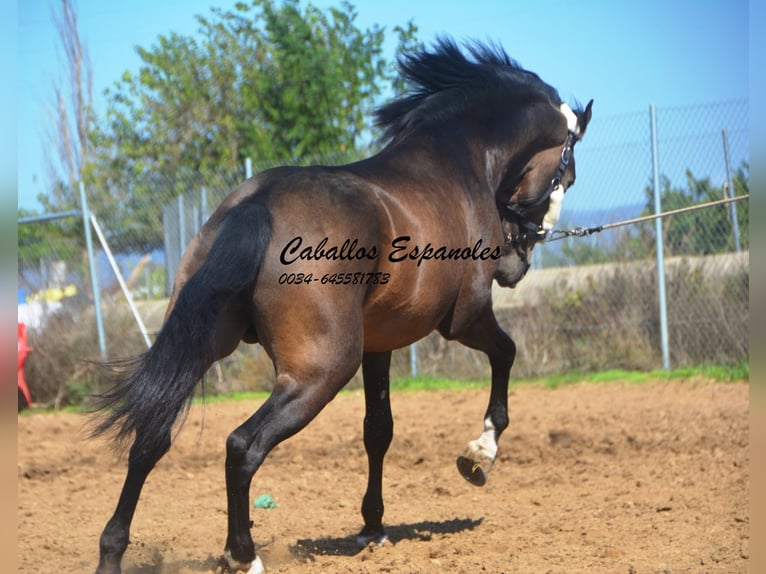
(555,235)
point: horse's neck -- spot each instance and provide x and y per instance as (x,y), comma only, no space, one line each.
(457,156)
(427,155)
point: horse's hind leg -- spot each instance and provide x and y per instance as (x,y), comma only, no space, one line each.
(150,446)
(378,432)
(115,537)
(294,402)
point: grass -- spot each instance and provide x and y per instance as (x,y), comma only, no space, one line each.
(718,373)
(233,396)
(405,384)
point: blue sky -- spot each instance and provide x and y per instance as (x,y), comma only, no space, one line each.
(625,54)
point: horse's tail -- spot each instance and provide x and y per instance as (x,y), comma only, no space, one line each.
(148,401)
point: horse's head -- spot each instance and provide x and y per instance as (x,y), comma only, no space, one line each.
(518,132)
(531,207)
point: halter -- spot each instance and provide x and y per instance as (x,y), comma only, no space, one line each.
(519,214)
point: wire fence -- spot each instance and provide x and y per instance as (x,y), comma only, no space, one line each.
(588,304)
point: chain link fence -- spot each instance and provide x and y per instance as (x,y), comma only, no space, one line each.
(588,303)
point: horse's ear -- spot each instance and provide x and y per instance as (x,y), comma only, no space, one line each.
(583,118)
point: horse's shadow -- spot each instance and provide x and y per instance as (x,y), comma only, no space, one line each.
(211,564)
(307,548)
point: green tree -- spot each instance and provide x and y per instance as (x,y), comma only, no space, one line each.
(704,231)
(741,184)
(267,80)
(699,232)
(47,239)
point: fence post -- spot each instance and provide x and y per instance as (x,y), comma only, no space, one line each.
(197,217)
(202,206)
(730,186)
(181,224)
(93,274)
(44,283)
(659,241)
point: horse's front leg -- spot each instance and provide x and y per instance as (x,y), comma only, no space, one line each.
(477,459)
(378,432)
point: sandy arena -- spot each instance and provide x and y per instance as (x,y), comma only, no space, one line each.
(612,478)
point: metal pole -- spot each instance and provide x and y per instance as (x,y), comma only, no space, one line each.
(197,219)
(93,274)
(730,187)
(48,217)
(44,288)
(181,225)
(248,168)
(413,360)
(167,226)
(203,206)
(659,239)
(120,280)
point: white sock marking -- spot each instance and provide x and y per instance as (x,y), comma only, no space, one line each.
(255,567)
(486,443)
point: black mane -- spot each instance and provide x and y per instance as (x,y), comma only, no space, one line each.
(445,80)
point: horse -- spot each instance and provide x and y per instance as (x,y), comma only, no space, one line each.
(333,267)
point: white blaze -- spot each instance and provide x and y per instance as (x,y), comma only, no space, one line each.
(554,208)
(557,195)
(571,118)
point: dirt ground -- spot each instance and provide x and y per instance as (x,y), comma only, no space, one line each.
(612,478)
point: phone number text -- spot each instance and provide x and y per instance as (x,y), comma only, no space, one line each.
(360,278)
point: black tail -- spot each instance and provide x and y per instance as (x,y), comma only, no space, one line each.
(148,401)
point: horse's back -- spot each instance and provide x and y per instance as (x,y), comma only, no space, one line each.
(341,259)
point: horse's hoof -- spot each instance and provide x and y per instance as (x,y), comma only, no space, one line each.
(371,538)
(108,567)
(229,564)
(257,567)
(474,472)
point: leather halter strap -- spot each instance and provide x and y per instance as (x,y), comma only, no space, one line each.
(519,214)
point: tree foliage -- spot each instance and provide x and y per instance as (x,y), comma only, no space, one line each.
(704,231)
(700,232)
(41,240)
(267,80)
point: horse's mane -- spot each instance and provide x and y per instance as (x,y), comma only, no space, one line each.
(445,81)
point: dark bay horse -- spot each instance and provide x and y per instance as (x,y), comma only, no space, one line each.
(330,268)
